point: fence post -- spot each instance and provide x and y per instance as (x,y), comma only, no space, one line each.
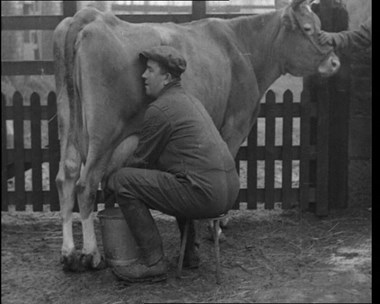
(4,178)
(18,111)
(287,144)
(69,8)
(35,125)
(236,206)
(319,136)
(198,10)
(323,131)
(252,169)
(305,147)
(334,18)
(53,150)
(270,102)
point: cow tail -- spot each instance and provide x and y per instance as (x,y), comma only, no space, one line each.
(80,20)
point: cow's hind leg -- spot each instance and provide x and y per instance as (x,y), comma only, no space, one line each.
(68,174)
(90,257)
(86,188)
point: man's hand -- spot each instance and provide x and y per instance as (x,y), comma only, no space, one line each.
(326,38)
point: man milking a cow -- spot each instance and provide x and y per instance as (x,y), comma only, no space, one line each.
(181,167)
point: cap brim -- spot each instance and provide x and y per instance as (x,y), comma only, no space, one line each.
(143,56)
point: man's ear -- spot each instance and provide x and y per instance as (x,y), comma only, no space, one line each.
(168,78)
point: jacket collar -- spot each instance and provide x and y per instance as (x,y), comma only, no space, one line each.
(173,84)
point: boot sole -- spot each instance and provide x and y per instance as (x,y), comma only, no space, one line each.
(152,279)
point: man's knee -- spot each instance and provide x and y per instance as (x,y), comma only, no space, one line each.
(115,181)
(125,182)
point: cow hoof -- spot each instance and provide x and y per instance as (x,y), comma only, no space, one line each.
(72,262)
(90,261)
(85,260)
(101,265)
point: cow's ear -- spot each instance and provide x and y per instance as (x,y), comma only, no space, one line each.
(287,19)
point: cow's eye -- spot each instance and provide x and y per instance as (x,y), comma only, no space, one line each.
(307,28)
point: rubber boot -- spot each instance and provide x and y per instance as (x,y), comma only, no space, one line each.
(108,197)
(151,265)
(191,258)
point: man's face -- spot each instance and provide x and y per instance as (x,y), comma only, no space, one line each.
(154,79)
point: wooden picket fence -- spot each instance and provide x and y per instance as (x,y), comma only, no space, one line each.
(19,158)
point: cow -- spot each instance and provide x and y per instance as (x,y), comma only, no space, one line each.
(101,100)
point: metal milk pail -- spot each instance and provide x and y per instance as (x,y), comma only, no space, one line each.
(119,246)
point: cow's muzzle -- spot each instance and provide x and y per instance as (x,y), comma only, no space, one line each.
(329,66)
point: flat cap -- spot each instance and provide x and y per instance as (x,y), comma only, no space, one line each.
(167,56)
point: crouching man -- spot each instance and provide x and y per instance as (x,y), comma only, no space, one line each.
(181,167)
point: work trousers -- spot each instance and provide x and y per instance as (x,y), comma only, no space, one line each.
(175,194)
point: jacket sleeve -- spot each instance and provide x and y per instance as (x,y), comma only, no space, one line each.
(357,39)
(154,136)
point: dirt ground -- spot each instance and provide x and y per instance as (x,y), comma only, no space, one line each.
(268,256)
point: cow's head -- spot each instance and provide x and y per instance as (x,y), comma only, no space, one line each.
(301,51)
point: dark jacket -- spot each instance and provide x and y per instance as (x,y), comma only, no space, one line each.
(178,136)
(356,39)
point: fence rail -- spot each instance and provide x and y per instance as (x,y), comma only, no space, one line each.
(16,159)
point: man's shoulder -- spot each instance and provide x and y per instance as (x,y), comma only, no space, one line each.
(159,106)
(177,100)
(170,99)
(172,92)
(156,110)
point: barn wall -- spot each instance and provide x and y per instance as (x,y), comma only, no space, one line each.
(360,131)
(360,119)
(358,10)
